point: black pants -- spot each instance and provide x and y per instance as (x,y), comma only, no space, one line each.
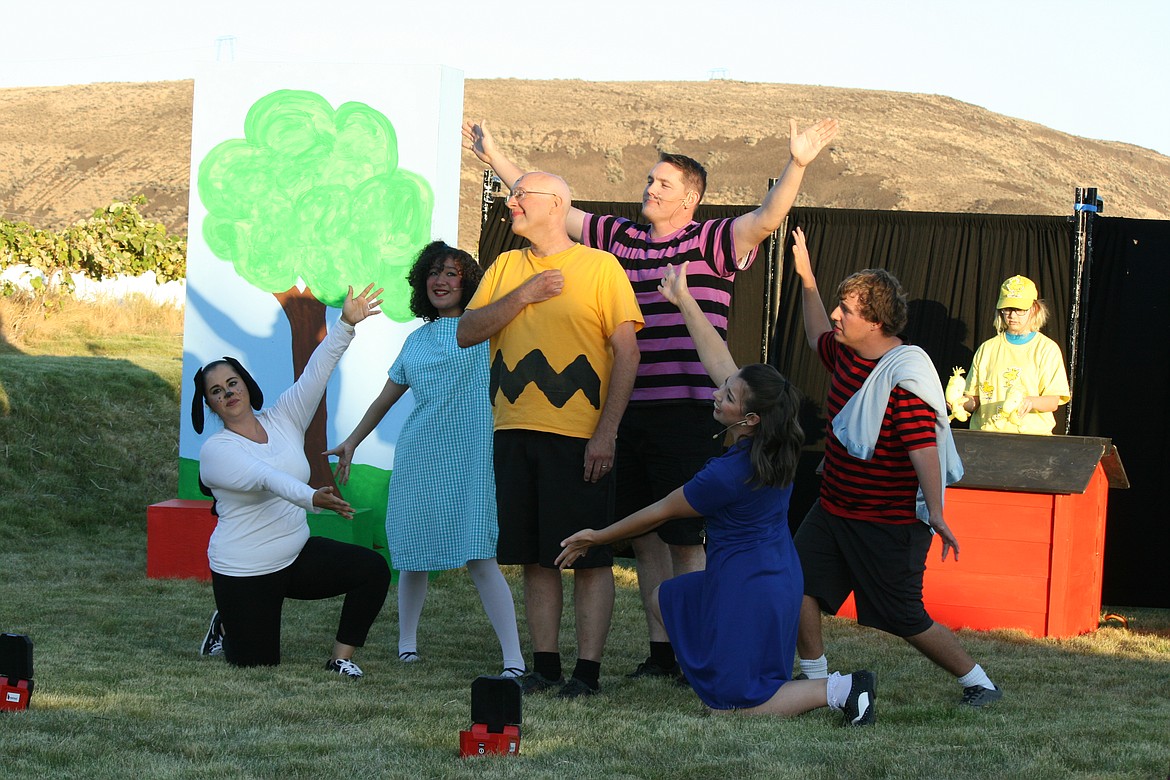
(250,607)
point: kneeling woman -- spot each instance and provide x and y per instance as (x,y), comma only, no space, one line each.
(261,552)
(733,626)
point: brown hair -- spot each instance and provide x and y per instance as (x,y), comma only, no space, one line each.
(694,175)
(881,297)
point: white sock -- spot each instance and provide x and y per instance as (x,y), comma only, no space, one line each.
(816,669)
(412,592)
(501,610)
(976,677)
(837,689)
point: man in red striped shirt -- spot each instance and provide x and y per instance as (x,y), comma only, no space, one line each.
(884,455)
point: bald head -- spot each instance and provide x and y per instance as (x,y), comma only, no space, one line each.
(539,203)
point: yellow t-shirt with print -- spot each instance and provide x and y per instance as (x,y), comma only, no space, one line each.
(551,364)
(1036,367)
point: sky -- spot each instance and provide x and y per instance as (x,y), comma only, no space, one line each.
(1091,69)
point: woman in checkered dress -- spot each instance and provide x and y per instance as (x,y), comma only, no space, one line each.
(442,504)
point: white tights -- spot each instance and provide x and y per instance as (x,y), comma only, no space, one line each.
(493,592)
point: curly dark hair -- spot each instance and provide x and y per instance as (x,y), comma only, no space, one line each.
(430,259)
(779,437)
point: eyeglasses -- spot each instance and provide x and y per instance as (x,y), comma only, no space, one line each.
(1009,312)
(520,194)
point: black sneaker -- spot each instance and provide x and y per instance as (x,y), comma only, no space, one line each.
(576,687)
(650,669)
(859,707)
(213,641)
(344,667)
(978,696)
(535,682)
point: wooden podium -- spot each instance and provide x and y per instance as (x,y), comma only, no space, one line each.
(1029,515)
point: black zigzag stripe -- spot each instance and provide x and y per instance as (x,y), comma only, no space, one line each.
(557,388)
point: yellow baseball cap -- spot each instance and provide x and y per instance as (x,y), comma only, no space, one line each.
(1018,292)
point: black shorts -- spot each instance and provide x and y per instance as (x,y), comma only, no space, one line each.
(881,564)
(543,497)
(659,448)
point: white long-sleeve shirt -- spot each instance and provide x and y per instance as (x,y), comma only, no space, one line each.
(261,490)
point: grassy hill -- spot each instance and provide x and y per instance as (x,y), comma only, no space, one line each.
(66,150)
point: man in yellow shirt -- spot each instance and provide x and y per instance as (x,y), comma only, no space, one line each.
(562,320)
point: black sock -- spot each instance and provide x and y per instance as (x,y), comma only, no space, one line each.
(662,654)
(588,672)
(547,664)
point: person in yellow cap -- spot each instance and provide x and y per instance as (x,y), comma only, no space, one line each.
(1017,379)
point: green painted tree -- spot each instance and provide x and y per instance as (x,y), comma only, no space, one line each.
(308,202)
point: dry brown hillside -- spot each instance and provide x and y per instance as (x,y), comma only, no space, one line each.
(67,150)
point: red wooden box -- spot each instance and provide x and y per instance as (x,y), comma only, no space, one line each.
(177,532)
(1031,554)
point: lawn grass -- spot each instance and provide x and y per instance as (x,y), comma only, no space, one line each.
(88,439)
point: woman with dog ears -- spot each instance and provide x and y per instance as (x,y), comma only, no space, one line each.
(733,626)
(261,552)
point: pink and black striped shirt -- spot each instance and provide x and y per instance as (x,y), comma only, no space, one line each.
(670,370)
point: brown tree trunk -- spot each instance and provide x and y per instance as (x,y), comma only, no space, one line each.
(306,319)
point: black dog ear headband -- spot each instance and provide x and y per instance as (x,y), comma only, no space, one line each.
(200,396)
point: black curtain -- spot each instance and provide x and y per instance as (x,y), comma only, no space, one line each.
(1123,393)
(951,266)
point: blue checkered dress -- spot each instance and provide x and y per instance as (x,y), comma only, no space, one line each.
(442,506)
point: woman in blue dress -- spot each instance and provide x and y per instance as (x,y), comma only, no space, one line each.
(733,626)
(441,512)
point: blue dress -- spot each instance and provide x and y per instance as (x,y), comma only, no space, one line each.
(441,511)
(733,625)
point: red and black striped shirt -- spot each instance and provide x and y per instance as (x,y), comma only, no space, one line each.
(882,489)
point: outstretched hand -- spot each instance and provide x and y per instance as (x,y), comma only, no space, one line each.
(344,453)
(674,283)
(802,263)
(327,498)
(805,146)
(354,310)
(575,546)
(479,141)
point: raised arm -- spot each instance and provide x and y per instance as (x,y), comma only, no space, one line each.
(713,352)
(391,392)
(752,228)
(673,505)
(816,319)
(478,140)
(599,451)
(480,324)
(299,402)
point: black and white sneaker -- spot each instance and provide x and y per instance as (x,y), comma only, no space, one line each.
(859,707)
(344,667)
(213,641)
(978,696)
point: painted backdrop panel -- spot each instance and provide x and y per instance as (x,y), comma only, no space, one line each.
(305,179)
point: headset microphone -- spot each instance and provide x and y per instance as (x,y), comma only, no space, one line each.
(729,427)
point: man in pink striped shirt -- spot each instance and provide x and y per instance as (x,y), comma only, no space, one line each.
(667,432)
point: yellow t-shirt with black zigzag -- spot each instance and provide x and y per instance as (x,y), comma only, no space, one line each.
(550,366)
